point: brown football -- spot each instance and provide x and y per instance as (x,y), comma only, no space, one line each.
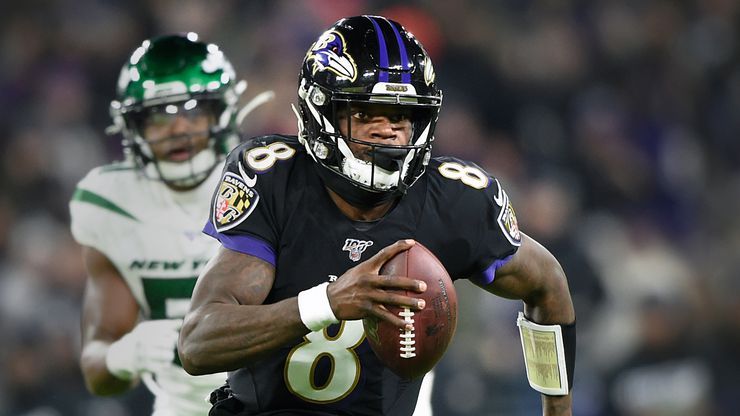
(411,354)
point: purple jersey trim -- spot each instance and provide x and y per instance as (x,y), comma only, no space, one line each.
(243,243)
(489,274)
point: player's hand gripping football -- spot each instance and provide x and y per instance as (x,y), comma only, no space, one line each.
(149,347)
(362,292)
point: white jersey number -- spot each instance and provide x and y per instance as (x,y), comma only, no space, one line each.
(302,360)
(262,158)
(469,175)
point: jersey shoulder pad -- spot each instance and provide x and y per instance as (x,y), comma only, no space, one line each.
(256,172)
(110,188)
(262,157)
(103,177)
(470,187)
(102,197)
(274,142)
(459,174)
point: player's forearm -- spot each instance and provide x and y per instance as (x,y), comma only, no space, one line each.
(556,405)
(98,379)
(223,337)
(552,303)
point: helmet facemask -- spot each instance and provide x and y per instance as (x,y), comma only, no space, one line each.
(182,157)
(384,169)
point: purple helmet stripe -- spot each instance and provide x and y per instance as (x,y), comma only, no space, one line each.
(406,76)
(383,51)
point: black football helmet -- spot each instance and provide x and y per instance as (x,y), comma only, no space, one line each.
(367,60)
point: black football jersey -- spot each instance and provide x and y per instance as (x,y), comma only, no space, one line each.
(272,204)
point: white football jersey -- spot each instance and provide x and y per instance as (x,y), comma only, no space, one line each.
(153,237)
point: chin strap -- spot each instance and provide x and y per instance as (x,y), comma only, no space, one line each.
(369,174)
(353,194)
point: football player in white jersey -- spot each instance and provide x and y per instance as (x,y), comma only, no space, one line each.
(139,221)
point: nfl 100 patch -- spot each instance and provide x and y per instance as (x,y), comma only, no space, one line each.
(356,248)
(233,203)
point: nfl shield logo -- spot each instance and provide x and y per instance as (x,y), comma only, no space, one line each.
(355,248)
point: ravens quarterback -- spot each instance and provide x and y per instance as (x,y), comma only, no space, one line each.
(306,222)
(139,220)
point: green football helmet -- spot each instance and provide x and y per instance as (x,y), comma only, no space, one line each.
(170,76)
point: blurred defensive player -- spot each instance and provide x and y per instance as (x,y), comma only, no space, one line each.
(139,220)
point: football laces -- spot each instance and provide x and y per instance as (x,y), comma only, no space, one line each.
(408,343)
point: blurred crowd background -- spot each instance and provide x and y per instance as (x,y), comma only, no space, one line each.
(614,125)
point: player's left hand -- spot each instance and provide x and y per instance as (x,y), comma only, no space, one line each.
(149,347)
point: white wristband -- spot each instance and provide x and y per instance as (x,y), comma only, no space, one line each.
(314,308)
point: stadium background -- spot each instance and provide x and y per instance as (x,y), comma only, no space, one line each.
(615,126)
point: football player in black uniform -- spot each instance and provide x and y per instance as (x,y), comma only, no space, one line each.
(306,222)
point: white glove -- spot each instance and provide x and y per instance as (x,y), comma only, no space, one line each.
(149,347)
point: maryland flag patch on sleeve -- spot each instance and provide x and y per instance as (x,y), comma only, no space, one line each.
(233,203)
